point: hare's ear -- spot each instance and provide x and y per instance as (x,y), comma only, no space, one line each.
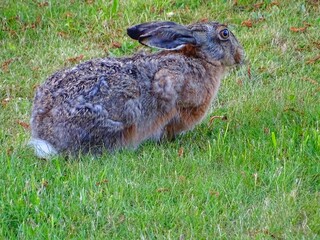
(136,31)
(165,35)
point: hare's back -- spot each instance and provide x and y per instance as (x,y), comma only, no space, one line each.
(94,77)
(95,87)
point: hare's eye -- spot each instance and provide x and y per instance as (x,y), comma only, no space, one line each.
(224,34)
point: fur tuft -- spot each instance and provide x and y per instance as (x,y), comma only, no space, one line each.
(42,148)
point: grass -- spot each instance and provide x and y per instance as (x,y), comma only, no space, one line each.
(255,175)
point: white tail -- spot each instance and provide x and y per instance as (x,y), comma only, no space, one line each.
(42,148)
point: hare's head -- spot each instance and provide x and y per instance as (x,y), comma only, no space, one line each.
(212,41)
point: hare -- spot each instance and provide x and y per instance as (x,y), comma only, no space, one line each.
(112,103)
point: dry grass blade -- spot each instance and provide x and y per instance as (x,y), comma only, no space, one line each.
(224,118)
(76,59)
(313,60)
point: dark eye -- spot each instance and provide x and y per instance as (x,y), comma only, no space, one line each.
(224,34)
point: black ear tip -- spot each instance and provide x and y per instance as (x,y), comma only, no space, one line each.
(137,30)
(133,32)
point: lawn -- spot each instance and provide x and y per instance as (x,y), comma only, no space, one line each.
(251,172)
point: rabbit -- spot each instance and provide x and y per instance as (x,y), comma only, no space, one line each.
(107,104)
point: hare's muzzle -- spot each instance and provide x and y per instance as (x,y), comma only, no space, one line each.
(239,56)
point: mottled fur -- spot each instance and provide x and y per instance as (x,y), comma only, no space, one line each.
(110,103)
